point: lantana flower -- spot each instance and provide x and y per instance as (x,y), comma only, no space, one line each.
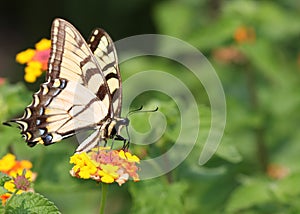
(35,59)
(277,171)
(228,55)
(2,81)
(20,174)
(105,165)
(244,34)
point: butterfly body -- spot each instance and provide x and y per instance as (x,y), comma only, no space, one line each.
(82,91)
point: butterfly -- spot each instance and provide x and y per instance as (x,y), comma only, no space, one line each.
(83,91)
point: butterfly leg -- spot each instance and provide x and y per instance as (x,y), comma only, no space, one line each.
(112,143)
(125,141)
(105,143)
(117,137)
(126,145)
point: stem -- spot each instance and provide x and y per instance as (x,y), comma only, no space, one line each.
(103,198)
(214,8)
(11,197)
(262,153)
(167,166)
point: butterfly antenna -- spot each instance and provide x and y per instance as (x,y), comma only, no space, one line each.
(135,110)
(139,110)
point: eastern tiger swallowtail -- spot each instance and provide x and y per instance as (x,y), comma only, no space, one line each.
(83,91)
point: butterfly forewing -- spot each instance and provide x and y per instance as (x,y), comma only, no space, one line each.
(72,59)
(105,53)
(83,89)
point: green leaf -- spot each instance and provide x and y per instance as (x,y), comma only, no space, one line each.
(286,187)
(3,190)
(30,203)
(261,55)
(157,197)
(214,34)
(272,20)
(248,195)
(4,178)
(174,22)
(13,98)
(228,151)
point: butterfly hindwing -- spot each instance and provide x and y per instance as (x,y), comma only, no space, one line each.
(57,112)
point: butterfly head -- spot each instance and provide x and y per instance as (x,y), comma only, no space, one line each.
(120,123)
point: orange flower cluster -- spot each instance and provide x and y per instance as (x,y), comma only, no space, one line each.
(228,55)
(2,80)
(36,60)
(105,165)
(244,34)
(276,171)
(20,173)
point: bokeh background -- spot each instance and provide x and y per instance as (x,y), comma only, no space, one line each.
(255,49)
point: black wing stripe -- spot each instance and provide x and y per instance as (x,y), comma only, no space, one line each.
(104,50)
(89,73)
(109,65)
(101,92)
(111,75)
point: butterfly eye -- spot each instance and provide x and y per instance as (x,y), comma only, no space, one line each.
(123,121)
(126,121)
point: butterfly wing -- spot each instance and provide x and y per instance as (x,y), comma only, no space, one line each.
(59,110)
(75,97)
(105,53)
(72,59)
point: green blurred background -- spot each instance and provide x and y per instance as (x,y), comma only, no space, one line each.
(254,47)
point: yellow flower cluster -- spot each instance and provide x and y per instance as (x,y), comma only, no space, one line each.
(36,60)
(105,165)
(83,165)
(13,168)
(128,156)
